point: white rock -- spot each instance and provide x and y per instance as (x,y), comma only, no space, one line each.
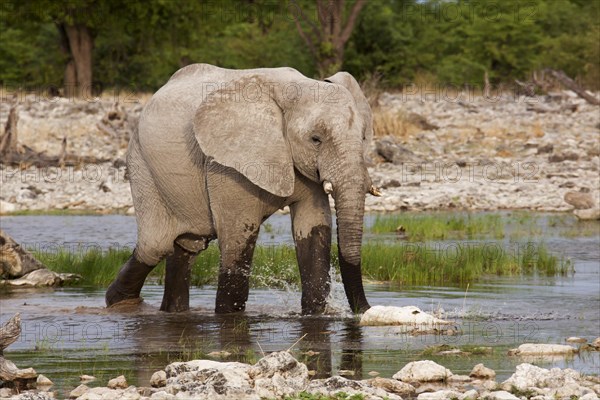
(219,354)
(39,277)
(469,395)
(95,396)
(33,395)
(501,395)
(489,384)
(278,374)
(589,214)
(529,376)
(392,386)
(118,383)
(574,339)
(337,384)
(158,379)
(162,395)
(177,368)
(422,371)
(481,371)
(6,207)
(589,396)
(78,391)
(531,349)
(87,378)
(43,381)
(224,384)
(439,395)
(409,315)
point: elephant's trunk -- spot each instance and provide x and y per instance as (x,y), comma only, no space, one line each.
(349,196)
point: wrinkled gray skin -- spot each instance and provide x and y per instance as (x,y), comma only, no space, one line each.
(218,151)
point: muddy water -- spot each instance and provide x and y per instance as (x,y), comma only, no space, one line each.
(67,332)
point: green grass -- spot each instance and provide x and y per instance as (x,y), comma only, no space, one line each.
(401,263)
(440,226)
(418,227)
(457,264)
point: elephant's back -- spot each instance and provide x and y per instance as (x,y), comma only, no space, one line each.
(168,150)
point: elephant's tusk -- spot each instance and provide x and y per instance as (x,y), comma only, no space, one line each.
(375,191)
(327,187)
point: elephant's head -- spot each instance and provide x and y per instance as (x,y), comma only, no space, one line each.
(267,128)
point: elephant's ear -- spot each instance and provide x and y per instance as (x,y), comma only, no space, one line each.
(247,135)
(348,81)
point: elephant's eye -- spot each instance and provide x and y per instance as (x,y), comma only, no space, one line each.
(315,139)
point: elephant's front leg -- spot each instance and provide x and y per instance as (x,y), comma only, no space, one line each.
(311,225)
(177,280)
(237,249)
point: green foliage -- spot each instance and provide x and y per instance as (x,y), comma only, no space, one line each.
(139,44)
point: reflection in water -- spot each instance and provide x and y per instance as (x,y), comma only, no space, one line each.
(316,345)
(352,349)
(186,336)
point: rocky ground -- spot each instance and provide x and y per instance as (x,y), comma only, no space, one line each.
(464,152)
(279,375)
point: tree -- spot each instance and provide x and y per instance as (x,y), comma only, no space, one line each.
(327,38)
(77,23)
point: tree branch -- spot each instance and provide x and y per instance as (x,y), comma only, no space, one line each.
(571,84)
(312,26)
(351,21)
(306,39)
(10,332)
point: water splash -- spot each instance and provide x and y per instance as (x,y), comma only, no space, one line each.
(337,303)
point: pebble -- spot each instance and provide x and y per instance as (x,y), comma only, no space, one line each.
(481,371)
(118,383)
(78,391)
(43,381)
(158,379)
(574,339)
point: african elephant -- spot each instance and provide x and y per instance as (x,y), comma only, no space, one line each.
(217,151)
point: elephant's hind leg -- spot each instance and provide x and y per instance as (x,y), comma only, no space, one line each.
(177,281)
(129,282)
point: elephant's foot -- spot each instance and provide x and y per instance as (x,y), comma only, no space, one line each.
(175,305)
(232,293)
(313,308)
(129,282)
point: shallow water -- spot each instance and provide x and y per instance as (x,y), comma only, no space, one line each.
(67,332)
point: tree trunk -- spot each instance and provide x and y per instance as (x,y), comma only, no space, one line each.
(327,38)
(15,261)
(572,85)
(8,143)
(78,43)
(18,378)
(10,332)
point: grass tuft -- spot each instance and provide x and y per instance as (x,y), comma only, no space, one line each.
(440,226)
(401,263)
